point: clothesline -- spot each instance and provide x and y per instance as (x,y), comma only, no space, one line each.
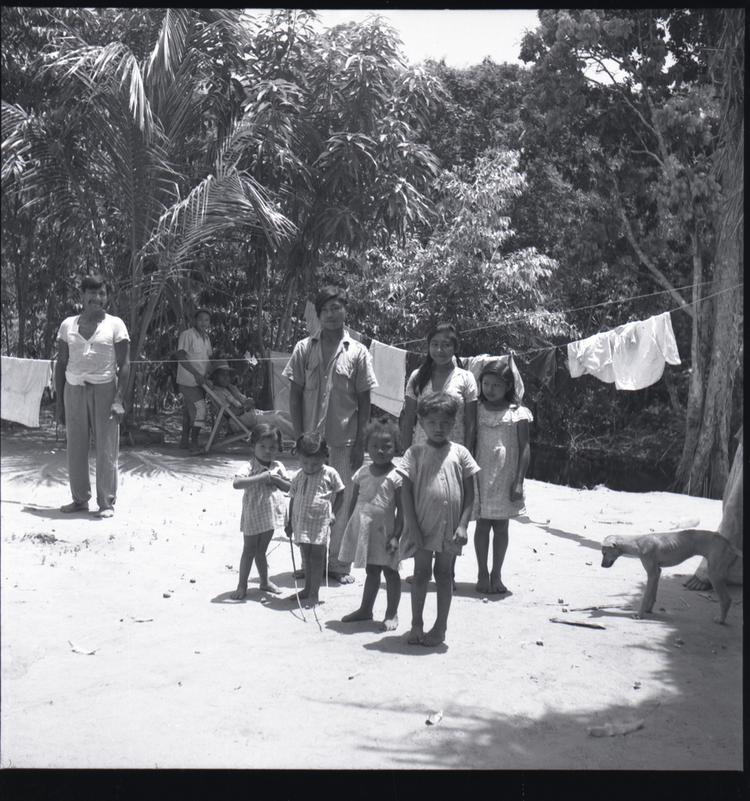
(494,325)
(585,308)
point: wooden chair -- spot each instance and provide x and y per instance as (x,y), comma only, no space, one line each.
(222,414)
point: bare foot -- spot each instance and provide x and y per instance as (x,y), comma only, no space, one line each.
(342,578)
(497,586)
(720,620)
(433,637)
(695,583)
(483,583)
(358,614)
(414,637)
(239,594)
(409,579)
(269,586)
(311,602)
(293,597)
(390,623)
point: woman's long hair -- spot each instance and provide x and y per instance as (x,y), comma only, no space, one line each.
(425,370)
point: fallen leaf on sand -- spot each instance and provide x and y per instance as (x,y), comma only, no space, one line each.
(539,642)
(165,595)
(78,650)
(354,674)
(434,718)
(611,729)
(143,620)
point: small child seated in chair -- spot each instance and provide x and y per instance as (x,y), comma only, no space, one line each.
(244,407)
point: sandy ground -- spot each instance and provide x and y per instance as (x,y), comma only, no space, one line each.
(101,669)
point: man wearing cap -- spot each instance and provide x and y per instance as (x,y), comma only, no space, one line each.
(242,406)
(194,356)
(331,377)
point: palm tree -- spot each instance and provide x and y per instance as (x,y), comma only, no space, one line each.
(129,168)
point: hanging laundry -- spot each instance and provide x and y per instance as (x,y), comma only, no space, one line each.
(592,355)
(389,364)
(641,350)
(543,366)
(279,382)
(632,355)
(311,319)
(23,382)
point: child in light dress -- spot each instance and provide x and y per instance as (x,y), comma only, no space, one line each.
(371,538)
(265,482)
(315,498)
(437,495)
(503,454)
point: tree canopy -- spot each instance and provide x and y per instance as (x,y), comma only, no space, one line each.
(207,157)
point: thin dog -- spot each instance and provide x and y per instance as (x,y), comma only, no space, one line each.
(669,548)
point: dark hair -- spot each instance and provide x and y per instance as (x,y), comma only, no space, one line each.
(330,292)
(440,402)
(382,425)
(201,311)
(263,430)
(94,281)
(425,371)
(312,444)
(501,367)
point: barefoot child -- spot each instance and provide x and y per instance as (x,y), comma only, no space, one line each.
(437,494)
(316,495)
(263,505)
(503,454)
(372,534)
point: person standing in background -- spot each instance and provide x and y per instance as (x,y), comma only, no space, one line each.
(194,351)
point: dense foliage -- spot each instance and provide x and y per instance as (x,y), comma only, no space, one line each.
(212,158)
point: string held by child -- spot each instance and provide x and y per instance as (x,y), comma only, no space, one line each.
(264,481)
(503,453)
(437,494)
(316,495)
(371,538)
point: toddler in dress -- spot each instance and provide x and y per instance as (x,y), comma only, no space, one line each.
(315,497)
(371,538)
(503,454)
(265,482)
(437,495)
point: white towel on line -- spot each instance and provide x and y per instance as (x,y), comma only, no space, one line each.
(389,364)
(23,382)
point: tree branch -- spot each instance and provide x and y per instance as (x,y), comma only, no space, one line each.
(644,259)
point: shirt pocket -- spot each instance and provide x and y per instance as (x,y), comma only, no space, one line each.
(344,373)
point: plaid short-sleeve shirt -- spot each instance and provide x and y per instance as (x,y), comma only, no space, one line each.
(263,505)
(312,497)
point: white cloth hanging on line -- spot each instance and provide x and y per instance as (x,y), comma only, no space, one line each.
(23,382)
(632,355)
(389,364)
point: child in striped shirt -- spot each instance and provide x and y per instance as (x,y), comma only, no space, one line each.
(315,498)
(263,505)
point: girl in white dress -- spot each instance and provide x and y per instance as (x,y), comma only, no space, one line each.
(371,538)
(503,454)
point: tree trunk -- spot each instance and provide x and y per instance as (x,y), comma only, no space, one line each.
(704,465)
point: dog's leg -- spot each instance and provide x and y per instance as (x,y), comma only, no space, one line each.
(649,596)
